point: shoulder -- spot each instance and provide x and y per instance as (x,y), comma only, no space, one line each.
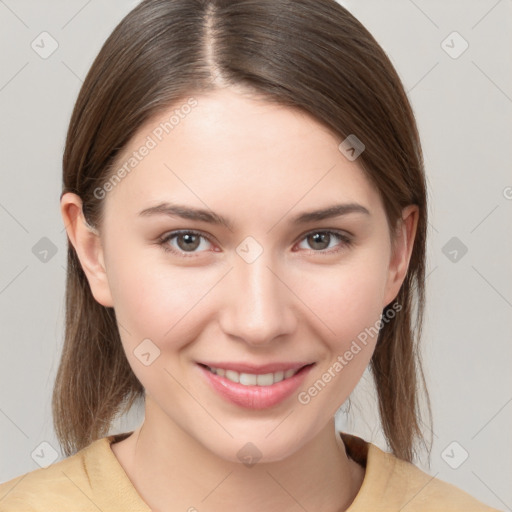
(84,482)
(421,491)
(391,483)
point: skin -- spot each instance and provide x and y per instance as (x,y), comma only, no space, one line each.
(259,165)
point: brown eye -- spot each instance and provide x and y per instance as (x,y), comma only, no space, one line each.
(320,241)
(187,242)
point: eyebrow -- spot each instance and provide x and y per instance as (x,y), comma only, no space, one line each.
(198,214)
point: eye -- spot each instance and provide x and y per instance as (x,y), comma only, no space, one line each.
(321,240)
(187,241)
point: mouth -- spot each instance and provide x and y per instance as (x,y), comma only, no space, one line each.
(260,389)
(255,379)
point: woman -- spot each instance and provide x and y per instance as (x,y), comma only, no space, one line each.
(245,202)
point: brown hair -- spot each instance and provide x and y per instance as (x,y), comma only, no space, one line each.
(312,55)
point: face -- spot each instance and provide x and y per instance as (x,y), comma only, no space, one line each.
(271,286)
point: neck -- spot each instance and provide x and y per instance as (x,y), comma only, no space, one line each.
(172,471)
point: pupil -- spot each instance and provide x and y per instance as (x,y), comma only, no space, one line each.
(189,241)
(320,238)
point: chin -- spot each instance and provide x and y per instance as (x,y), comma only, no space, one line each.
(260,448)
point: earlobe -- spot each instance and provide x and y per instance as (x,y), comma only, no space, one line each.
(87,244)
(401,252)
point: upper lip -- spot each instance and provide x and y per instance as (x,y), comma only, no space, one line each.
(256,369)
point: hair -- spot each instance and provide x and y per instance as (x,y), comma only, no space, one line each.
(310,55)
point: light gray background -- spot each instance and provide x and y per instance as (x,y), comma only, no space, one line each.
(464,111)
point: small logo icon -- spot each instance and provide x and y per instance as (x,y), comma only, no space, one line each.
(454,250)
(44,250)
(44,45)
(454,45)
(44,454)
(351,147)
(249,455)
(454,455)
(249,250)
(146,352)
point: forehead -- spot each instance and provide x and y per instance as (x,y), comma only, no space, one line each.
(230,149)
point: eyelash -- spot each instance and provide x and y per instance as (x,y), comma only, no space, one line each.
(163,242)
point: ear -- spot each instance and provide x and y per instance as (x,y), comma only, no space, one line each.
(405,234)
(87,243)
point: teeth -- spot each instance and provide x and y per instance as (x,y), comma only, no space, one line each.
(231,375)
(289,373)
(250,379)
(247,379)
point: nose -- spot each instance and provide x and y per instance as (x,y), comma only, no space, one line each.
(259,303)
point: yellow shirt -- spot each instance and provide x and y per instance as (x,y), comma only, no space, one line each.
(93,480)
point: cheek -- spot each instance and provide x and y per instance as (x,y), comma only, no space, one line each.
(159,311)
(153,299)
(349,303)
(346,298)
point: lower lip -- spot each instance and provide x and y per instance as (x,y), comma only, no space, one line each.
(255,397)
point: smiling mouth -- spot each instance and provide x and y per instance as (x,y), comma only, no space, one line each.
(251,379)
